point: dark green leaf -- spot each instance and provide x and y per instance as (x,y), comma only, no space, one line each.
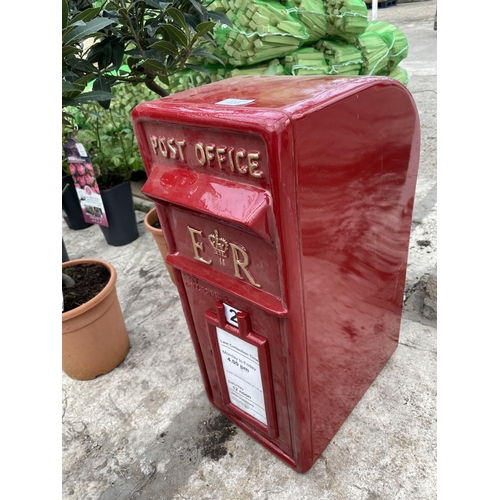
(94,96)
(69,87)
(219,17)
(164,80)
(86,15)
(204,28)
(91,28)
(84,80)
(66,101)
(206,55)
(118,51)
(151,30)
(70,28)
(64,13)
(153,65)
(153,54)
(199,8)
(82,65)
(134,53)
(153,3)
(192,20)
(102,84)
(199,68)
(177,16)
(165,48)
(68,51)
(177,35)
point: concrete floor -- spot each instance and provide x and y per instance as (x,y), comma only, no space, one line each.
(147,431)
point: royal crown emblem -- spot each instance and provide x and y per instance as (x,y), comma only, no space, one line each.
(219,244)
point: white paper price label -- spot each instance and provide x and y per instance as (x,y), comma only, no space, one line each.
(240,361)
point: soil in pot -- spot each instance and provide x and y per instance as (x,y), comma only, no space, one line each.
(94,334)
(89,280)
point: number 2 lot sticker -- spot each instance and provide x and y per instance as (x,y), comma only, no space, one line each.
(230,314)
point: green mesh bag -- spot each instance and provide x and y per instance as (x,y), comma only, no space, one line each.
(394,38)
(261,31)
(343,58)
(312,14)
(346,18)
(273,67)
(400,74)
(374,52)
(306,61)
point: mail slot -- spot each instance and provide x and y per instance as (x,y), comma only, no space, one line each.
(286,205)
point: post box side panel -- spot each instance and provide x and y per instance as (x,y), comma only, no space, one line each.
(357,164)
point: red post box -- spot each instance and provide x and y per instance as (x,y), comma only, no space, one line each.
(286,206)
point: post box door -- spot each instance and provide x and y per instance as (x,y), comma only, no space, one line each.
(242,351)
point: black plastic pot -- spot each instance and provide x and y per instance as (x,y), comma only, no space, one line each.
(65,256)
(73,214)
(119,207)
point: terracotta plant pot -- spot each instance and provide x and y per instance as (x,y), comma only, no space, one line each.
(149,220)
(94,336)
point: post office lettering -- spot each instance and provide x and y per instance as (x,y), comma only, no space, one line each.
(227,158)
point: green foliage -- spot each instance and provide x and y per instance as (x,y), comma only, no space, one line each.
(108,136)
(112,42)
(80,22)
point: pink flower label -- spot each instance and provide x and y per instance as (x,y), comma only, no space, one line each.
(84,178)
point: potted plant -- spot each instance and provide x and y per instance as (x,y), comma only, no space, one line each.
(110,44)
(152,224)
(94,336)
(108,138)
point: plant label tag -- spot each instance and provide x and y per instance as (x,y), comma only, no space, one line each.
(240,361)
(86,186)
(81,150)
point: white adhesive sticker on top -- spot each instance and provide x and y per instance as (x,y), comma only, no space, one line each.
(235,102)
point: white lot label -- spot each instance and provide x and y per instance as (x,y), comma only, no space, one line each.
(235,102)
(240,361)
(230,314)
(81,149)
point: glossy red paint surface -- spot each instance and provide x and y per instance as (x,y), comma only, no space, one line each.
(294,209)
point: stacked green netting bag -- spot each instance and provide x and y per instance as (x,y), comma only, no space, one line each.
(306,61)
(343,58)
(395,40)
(261,31)
(346,18)
(299,37)
(374,52)
(312,14)
(273,67)
(400,74)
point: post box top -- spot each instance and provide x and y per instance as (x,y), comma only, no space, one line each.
(243,95)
